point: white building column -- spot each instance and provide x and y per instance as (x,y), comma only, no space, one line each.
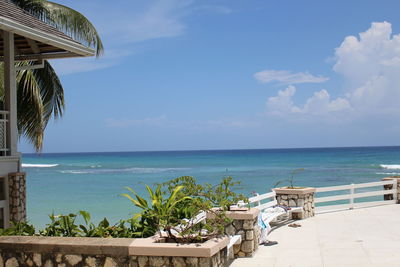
(10,92)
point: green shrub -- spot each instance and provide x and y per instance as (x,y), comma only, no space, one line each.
(174,201)
(166,210)
(64,225)
(18,228)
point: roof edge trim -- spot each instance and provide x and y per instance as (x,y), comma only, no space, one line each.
(38,35)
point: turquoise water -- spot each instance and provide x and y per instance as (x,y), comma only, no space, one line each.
(63,183)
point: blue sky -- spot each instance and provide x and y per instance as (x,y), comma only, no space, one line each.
(181,75)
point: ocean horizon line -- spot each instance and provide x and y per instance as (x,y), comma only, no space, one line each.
(214,150)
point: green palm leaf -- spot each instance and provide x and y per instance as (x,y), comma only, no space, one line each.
(30,108)
(74,24)
(40,94)
(40,97)
(65,19)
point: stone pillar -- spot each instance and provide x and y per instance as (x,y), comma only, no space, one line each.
(244,223)
(389,187)
(17,196)
(297,197)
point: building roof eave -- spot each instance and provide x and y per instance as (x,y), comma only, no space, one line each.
(47,38)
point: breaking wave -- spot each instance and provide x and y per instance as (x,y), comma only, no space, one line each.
(390,167)
(126,170)
(28,165)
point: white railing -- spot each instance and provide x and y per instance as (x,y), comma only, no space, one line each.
(350,197)
(3,133)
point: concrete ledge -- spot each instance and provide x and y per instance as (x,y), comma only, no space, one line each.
(240,214)
(294,191)
(111,246)
(152,247)
(249,214)
(67,245)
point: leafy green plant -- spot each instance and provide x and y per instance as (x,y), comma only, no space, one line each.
(158,215)
(222,195)
(291,179)
(170,208)
(65,225)
(189,199)
(62,225)
(19,228)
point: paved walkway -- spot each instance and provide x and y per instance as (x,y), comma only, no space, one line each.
(361,237)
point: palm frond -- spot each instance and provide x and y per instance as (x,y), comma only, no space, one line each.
(74,24)
(40,97)
(51,91)
(30,108)
(40,93)
(34,7)
(65,19)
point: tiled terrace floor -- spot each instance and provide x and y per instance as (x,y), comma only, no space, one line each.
(361,237)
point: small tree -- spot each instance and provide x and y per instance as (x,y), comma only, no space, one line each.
(291,180)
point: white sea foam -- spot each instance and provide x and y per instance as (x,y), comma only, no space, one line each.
(388,173)
(26,165)
(95,166)
(125,170)
(391,167)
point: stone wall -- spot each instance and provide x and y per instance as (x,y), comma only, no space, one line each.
(389,187)
(244,223)
(17,196)
(16,259)
(297,197)
(220,259)
(38,251)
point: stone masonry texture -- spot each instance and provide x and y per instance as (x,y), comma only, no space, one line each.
(17,196)
(22,259)
(250,233)
(298,200)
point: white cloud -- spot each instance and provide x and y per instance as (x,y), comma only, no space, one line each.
(283,102)
(158,19)
(122,26)
(288,77)
(75,65)
(370,65)
(127,26)
(319,104)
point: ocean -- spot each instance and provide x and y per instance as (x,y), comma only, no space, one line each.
(69,182)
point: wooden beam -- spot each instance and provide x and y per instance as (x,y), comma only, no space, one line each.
(33,45)
(42,56)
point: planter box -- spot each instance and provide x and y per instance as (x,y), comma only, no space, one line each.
(110,252)
(297,197)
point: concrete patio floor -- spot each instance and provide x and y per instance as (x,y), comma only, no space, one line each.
(360,237)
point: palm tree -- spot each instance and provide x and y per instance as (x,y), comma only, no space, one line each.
(40,94)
